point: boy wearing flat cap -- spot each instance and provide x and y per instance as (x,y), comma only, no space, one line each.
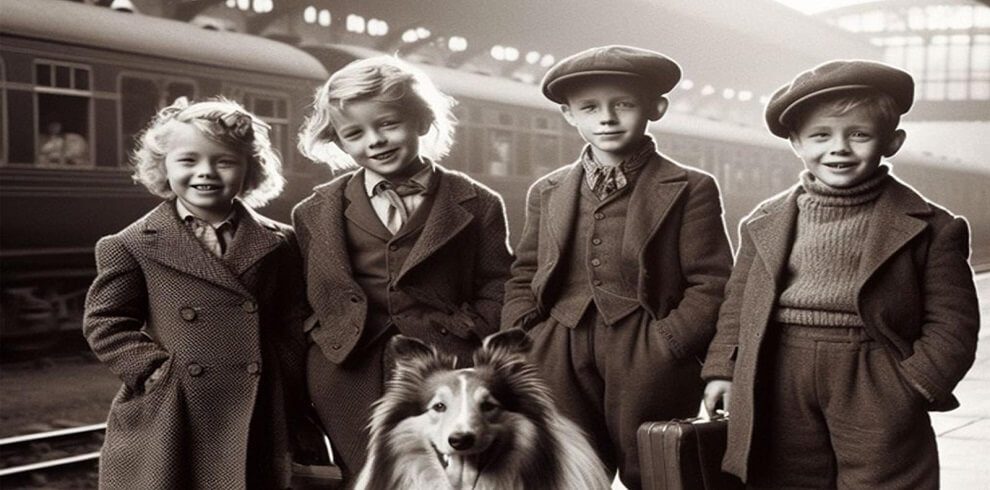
(851,311)
(624,256)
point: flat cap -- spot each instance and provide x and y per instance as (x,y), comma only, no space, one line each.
(835,76)
(658,71)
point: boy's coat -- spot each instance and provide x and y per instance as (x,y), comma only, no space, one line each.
(674,248)
(449,265)
(915,294)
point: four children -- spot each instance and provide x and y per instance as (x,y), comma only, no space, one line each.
(851,305)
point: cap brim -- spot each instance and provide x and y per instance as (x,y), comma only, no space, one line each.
(554,96)
(787,110)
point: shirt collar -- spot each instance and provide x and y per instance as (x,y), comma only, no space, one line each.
(423,177)
(185,214)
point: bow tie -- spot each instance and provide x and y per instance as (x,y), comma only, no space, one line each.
(403,189)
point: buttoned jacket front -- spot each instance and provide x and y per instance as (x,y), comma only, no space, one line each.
(915,294)
(222,330)
(674,247)
(456,269)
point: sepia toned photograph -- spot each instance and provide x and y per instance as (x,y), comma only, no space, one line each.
(475,245)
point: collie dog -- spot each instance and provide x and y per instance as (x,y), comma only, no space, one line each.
(492,426)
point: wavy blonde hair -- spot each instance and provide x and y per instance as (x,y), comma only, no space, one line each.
(384,79)
(223,121)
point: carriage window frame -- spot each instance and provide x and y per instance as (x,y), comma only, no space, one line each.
(241,94)
(161,80)
(50,89)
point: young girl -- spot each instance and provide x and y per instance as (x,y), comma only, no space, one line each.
(193,307)
(401,245)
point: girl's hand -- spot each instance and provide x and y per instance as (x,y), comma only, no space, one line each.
(717,390)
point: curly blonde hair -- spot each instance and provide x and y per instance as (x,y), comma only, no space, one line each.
(384,79)
(220,120)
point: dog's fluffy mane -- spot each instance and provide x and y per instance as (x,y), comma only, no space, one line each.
(543,451)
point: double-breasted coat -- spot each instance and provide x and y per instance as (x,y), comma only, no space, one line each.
(915,294)
(455,273)
(228,336)
(674,248)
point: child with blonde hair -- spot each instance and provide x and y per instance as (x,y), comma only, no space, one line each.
(193,308)
(399,245)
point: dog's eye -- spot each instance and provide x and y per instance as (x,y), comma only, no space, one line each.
(487,406)
(439,407)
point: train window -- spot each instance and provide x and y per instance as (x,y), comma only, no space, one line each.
(544,154)
(141,96)
(64,103)
(499,156)
(273,110)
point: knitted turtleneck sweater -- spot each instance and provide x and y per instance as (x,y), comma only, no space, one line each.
(832,225)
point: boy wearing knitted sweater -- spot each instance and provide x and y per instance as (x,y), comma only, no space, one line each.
(851,311)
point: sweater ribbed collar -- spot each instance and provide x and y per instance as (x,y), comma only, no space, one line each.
(823,194)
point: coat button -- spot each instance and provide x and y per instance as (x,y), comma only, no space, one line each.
(596,241)
(355,298)
(188,314)
(254,368)
(194,369)
(596,262)
(599,216)
(249,306)
(443,331)
(335,346)
(393,247)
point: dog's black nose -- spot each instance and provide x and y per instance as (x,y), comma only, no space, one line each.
(461,440)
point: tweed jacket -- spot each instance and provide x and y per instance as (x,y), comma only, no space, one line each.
(456,269)
(233,364)
(674,246)
(915,294)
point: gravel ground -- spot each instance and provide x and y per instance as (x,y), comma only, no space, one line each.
(54,392)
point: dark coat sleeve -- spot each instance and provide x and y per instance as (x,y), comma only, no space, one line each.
(116,311)
(721,359)
(946,348)
(520,309)
(706,263)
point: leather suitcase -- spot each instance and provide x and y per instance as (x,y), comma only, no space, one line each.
(684,455)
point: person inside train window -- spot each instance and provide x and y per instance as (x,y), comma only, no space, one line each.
(624,255)
(61,148)
(198,307)
(852,310)
(399,245)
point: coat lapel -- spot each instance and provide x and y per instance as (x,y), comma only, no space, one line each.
(327,228)
(254,239)
(657,187)
(359,210)
(446,219)
(561,204)
(773,233)
(171,244)
(891,228)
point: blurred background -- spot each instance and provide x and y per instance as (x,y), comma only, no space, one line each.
(78,80)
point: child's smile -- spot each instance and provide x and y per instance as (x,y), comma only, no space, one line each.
(379,136)
(205,175)
(611,116)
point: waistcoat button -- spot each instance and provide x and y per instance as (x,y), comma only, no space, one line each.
(254,368)
(249,306)
(194,369)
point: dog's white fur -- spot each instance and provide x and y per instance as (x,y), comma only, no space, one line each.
(518,438)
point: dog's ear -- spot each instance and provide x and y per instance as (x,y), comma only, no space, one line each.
(512,341)
(401,347)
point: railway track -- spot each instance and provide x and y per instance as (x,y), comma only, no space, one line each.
(46,453)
